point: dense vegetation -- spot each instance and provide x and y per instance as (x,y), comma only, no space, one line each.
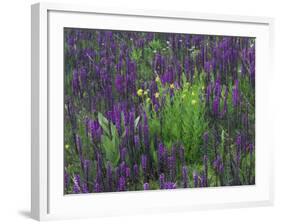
(157,111)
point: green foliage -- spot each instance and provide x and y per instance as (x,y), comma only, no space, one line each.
(181,117)
(110,140)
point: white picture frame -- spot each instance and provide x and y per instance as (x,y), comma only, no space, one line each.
(47,199)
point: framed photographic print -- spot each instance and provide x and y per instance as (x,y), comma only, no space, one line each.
(139,111)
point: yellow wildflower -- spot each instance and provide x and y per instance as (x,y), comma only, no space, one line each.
(193,102)
(157,79)
(140,92)
(66,146)
(145,92)
(172,86)
(156,95)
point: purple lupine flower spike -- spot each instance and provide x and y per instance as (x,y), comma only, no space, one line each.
(128,172)
(170,185)
(195,179)
(162,181)
(137,142)
(122,184)
(76,184)
(84,187)
(97,187)
(218,165)
(144,162)
(216,105)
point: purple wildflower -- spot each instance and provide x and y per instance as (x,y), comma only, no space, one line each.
(144,162)
(162,181)
(76,184)
(146,186)
(122,184)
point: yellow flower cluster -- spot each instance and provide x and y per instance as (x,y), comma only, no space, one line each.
(140,92)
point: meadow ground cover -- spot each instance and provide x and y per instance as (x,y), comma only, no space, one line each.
(146,111)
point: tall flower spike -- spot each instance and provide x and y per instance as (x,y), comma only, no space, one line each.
(144,162)
(162,181)
(216,105)
(195,179)
(76,184)
(122,184)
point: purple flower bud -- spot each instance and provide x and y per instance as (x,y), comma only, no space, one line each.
(128,172)
(162,181)
(218,164)
(216,105)
(123,169)
(144,162)
(170,185)
(123,154)
(97,187)
(195,179)
(121,184)
(84,187)
(137,142)
(208,93)
(96,131)
(161,152)
(146,186)
(76,184)
(119,83)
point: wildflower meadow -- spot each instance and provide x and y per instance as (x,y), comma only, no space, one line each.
(148,110)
